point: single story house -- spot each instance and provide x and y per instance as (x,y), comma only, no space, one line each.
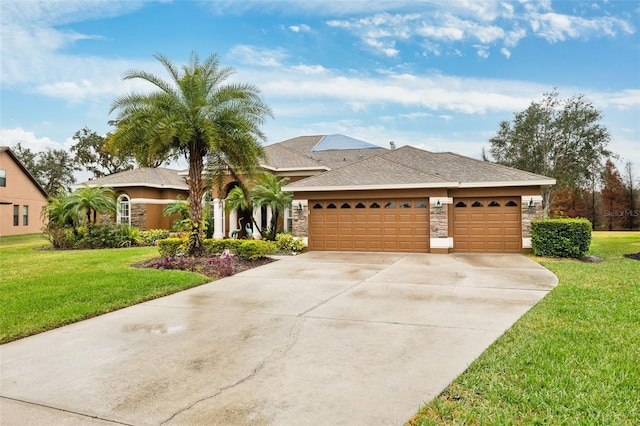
(143,193)
(22,198)
(355,196)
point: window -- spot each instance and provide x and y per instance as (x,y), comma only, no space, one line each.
(25,215)
(288,220)
(331,206)
(124,210)
(421,205)
(317,206)
(511,204)
(345,206)
(16,215)
(374,206)
(3,177)
(405,205)
(477,204)
(390,205)
(494,204)
(460,204)
(360,206)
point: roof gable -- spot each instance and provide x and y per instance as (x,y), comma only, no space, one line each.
(35,182)
(144,177)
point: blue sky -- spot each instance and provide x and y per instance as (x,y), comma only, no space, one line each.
(439,75)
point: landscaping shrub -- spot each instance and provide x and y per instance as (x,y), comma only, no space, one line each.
(216,247)
(255,249)
(130,236)
(560,237)
(61,237)
(172,246)
(286,243)
(104,235)
(150,237)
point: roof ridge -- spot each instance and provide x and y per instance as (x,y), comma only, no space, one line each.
(491,163)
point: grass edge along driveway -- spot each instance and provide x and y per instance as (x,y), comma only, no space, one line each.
(572,359)
(45,289)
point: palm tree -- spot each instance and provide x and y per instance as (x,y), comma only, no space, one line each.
(268,192)
(90,201)
(196,115)
(55,212)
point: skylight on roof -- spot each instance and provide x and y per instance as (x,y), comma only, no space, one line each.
(330,142)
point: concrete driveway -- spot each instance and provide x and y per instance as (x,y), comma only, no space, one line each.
(320,338)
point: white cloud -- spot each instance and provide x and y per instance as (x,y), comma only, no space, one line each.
(505,52)
(482,51)
(27,139)
(302,28)
(258,56)
(555,27)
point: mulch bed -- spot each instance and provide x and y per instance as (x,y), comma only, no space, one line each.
(634,256)
(209,266)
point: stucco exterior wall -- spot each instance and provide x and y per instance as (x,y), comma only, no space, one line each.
(19,191)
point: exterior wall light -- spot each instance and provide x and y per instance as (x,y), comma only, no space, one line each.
(299,208)
(532,206)
(438,207)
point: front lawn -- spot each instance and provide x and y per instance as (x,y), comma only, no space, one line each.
(45,289)
(574,358)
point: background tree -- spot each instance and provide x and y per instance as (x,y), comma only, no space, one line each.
(558,138)
(631,195)
(52,168)
(196,115)
(90,151)
(612,196)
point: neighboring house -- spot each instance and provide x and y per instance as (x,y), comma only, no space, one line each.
(22,198)
(355,196)
(143,193)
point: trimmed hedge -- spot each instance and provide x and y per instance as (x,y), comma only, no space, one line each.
(560,237)
(172,246)
(249,249)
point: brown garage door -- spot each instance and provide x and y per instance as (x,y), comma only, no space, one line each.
(487,225)
(369,225)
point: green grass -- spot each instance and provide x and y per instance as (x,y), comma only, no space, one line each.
(41,290)
(572,359)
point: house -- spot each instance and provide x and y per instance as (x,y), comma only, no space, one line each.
(22,198)
(143,193)
(355,196)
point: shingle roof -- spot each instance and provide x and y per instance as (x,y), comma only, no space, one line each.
(338,151)
(413,167)
(144,176)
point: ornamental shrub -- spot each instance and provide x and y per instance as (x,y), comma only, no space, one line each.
(104,235)
(255,249)
(216,247)
(172,247)
(286,243)
(150,237)
(560,237)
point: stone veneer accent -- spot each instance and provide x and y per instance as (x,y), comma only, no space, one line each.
(528,216)
(139,216)
(439,221)
(300,221)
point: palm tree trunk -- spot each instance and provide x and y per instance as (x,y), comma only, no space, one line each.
(195,246)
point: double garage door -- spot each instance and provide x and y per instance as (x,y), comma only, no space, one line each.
(402,225)
(369,225)
(487,225)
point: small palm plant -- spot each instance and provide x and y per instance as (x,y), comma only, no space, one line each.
(268,192)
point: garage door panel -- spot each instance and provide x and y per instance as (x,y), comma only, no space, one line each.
(491,227)
(401,227)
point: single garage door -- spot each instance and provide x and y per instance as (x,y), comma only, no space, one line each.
(369,225)
(487,225)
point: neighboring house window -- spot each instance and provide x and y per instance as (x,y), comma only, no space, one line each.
(16,215)
(25,215)
(124,210)
(288,220)
(3,177)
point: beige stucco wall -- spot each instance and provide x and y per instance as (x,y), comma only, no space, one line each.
(21,191)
